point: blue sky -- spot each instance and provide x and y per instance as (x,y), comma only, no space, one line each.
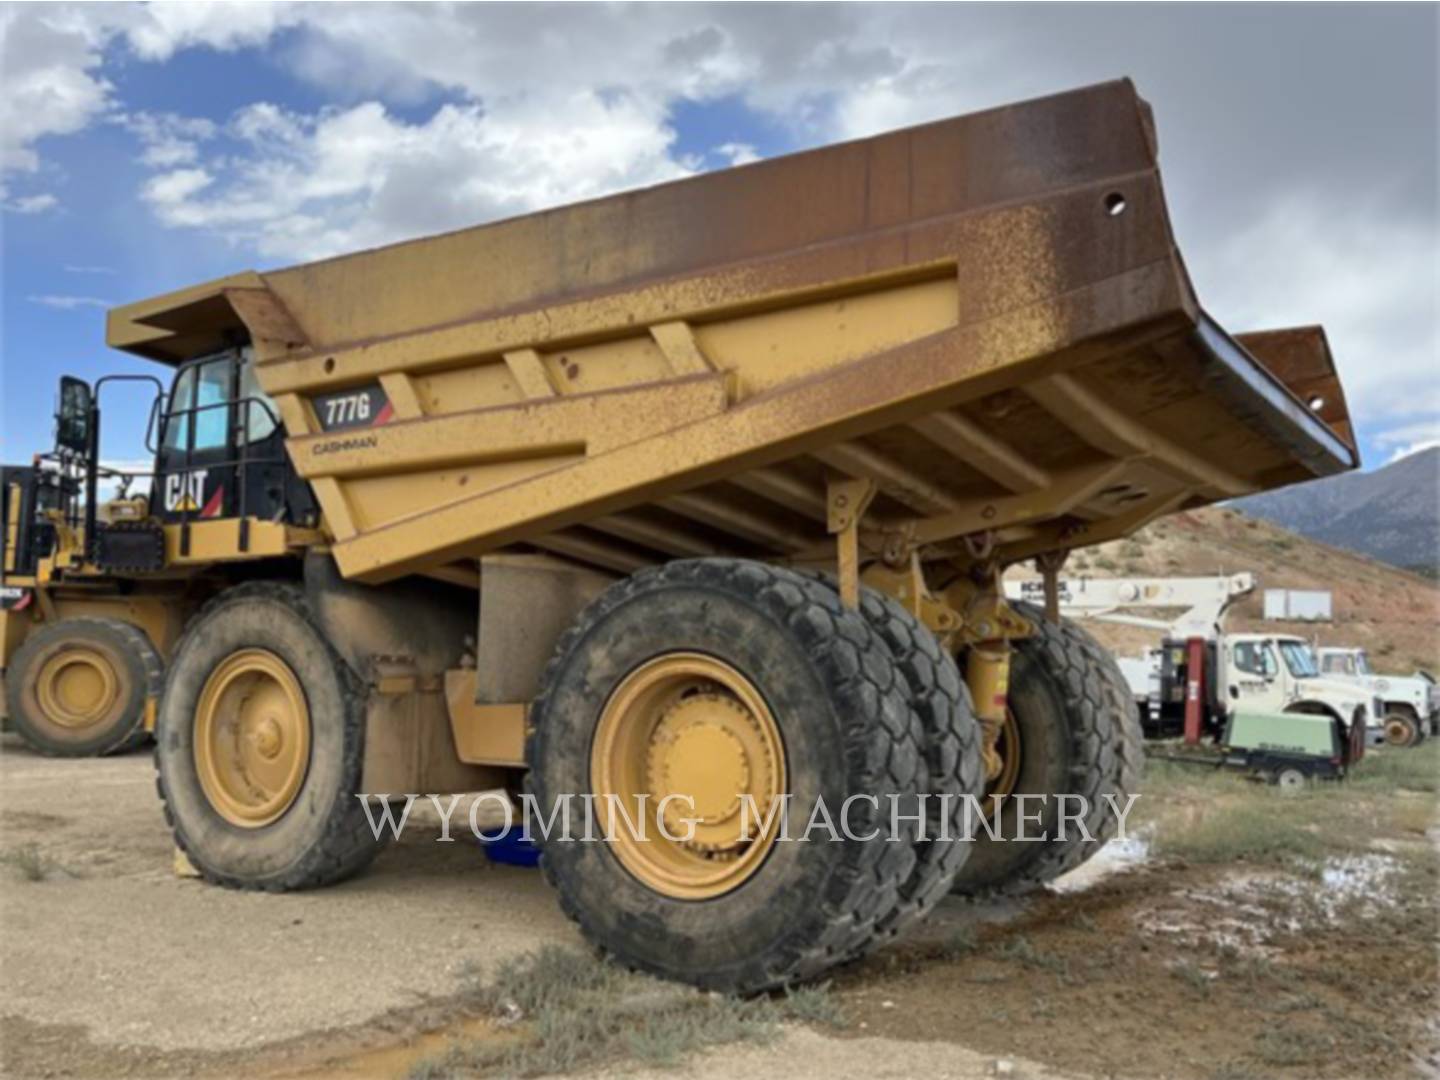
(146,148)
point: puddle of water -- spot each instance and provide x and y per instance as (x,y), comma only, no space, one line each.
(1116,857)
(396,1059)
(1370,876)
(1242,911)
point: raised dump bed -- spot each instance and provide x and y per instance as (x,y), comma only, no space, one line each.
(986,316)
(730,468)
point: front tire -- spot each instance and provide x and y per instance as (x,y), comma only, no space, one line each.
(1401,730)
(78,687)
(768,650)
(260,745)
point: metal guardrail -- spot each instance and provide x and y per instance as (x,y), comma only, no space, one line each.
(77,477)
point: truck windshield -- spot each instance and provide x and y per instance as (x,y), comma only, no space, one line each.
(1299,659)
(1362,663)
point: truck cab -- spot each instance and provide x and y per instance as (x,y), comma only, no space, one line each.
(218,451)
(1415,697)
(1276,673)
(221,447)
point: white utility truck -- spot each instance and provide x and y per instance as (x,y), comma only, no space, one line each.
(1199,674)
(1412,702)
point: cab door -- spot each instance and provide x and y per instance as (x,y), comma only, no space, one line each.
(222,453)
(194,468)
(1254,676)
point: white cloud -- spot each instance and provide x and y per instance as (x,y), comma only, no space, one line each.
(1372,280)
(304,186)
(51,56)
(69,303)
(50,85)
(1412,448)
(32,204)
(1410,439)
(158,31)
(89,269)
(169,193)
(169,140)
(738,153)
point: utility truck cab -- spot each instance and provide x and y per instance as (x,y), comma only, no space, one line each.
(1411,702)
(1273,673)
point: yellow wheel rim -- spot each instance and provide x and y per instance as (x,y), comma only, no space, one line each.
(689,726)
(252,738)
(77,687)
(1397,732)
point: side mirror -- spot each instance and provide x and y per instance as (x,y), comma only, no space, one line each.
(72,421)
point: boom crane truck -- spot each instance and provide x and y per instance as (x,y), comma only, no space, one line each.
(1200,675)
(703,490)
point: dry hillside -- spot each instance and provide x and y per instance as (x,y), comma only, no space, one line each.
(1393,613)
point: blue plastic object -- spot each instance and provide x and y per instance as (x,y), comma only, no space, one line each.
(511,848)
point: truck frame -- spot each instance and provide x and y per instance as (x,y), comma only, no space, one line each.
(703,491)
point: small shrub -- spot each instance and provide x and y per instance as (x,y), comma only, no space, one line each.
(1286,1046)
(1263,831)
(1409,768)
(578,1012)
(812,1005)
(28,863)
(962,941)
(1193,976)
(1022,951)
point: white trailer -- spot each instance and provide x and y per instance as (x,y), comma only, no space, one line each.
(1299,605)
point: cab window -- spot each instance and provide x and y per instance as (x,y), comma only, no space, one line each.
(197,387)
(260,421)
(1299,659)
(1256,658)
(177,423)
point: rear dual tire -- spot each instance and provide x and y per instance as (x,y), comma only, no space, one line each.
(1078,735)
(847,728)
(939,697)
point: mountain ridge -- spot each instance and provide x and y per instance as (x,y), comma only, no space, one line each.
(1389,513)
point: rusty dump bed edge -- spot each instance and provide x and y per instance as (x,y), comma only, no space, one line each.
(986,317)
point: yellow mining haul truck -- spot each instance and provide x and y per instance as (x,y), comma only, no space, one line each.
(702,491)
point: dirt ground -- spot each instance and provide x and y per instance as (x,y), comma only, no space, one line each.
(1201,949)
